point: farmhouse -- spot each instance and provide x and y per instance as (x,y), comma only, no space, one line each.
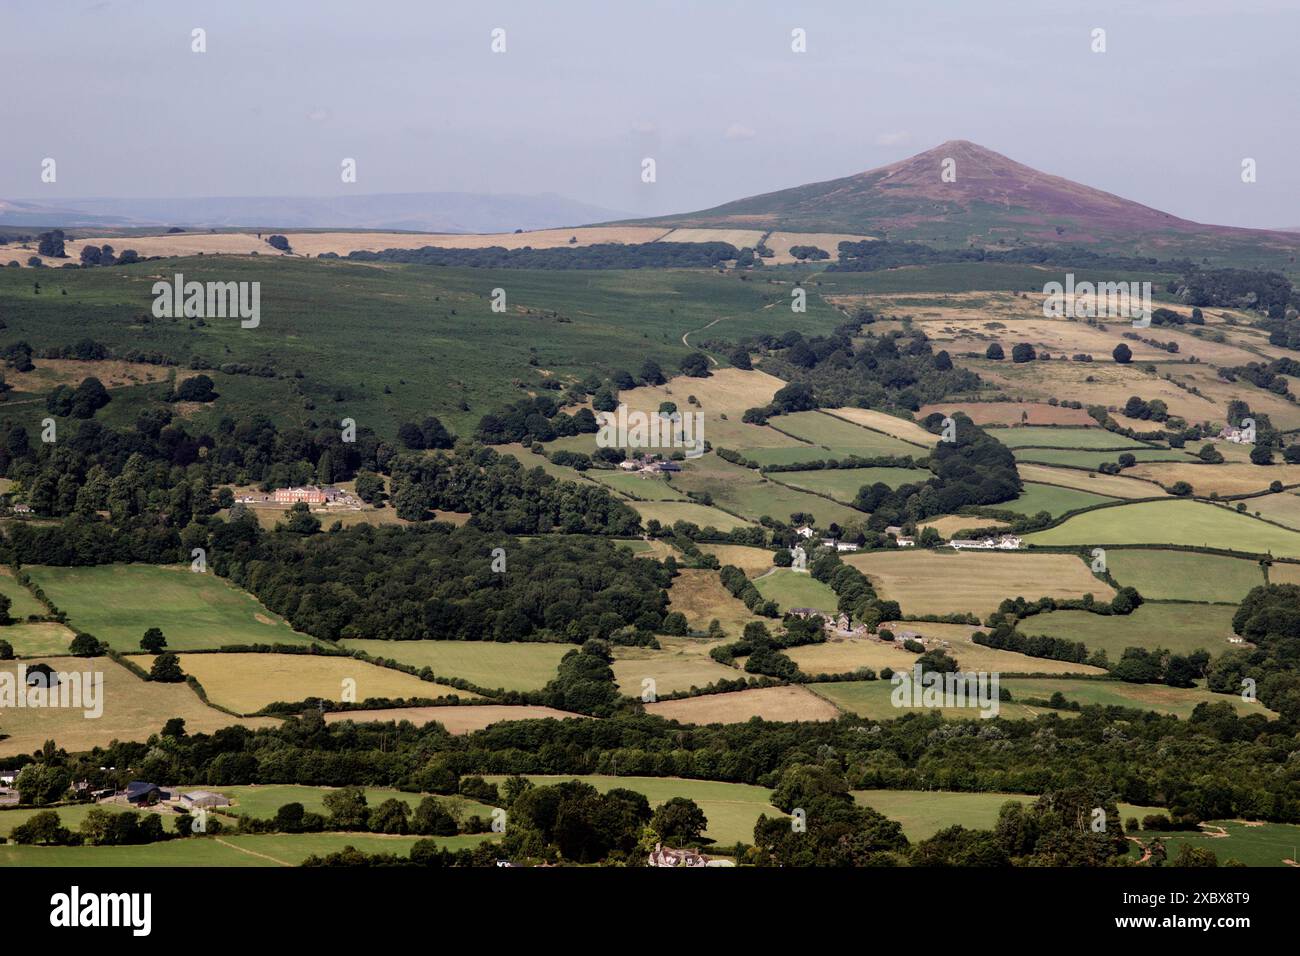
(804,531)
(666,856)
(1239,436)
(905,542)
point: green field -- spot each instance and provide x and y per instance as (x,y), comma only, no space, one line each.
(837,438)
(1184,575)
(1181,522)
(791,589)
(1254,844)
(1083,458)
(1181,628)
(263,801)
(119,602)
(746,492)
(483,663)
(37,639)
(732,809)
(271,849)
(22,604)
(634,486)
(871,699)
(1045,436)
(71,815)
(923,813)
(669,512)
(430,338)
(842,484)
(1053,499)
(1165,700)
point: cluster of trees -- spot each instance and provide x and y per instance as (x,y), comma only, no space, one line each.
(438,582)
(501,493)
(80,402)
(893,371)
(741,587)
(166,466)
(1267,292)
(1155,410)
(105,255)
(869,256)
(1268,617)
(638,255)
(430,433)
(531,420)
(971,470)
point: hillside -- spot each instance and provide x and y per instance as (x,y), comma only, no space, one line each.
(993,201)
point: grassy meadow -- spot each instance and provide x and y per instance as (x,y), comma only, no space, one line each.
(119,602)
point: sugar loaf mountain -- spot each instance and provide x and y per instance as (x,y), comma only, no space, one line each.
(993,201)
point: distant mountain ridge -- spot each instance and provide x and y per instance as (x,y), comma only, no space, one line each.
(991,200)
(413,212)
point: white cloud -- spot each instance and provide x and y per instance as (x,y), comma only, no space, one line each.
(739,131)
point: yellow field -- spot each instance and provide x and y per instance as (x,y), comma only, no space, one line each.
(1012,413)
(727,391)
(1110,384)
(949,525)
(780,243)
(314,243)
(790,703)
(846,655)
(132,710)
(943,582)
(113,373)
(1115,486)
(667,512)
(1229,478)
(679,664)
(698,593)
(753,561)
(457,720)
(889,424)
(737,237)
(246,683)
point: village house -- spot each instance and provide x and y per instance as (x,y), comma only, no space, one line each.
(804,531)
(1237,435)
(666,856)
(905,542)
(1005,542)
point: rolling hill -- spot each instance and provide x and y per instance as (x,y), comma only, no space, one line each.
(993,201)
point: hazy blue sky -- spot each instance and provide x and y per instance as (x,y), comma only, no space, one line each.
(711,90)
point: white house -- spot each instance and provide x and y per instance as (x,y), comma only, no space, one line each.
(804,531)
(905,542)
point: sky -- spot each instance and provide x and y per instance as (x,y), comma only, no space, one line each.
(711,90)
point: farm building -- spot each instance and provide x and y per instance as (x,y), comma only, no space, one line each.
(196,799)
(1005,542)
(142,793)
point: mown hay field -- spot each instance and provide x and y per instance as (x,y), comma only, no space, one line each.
(132,710)
(246,683)
(788,703)
(515,666)
(944,582)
